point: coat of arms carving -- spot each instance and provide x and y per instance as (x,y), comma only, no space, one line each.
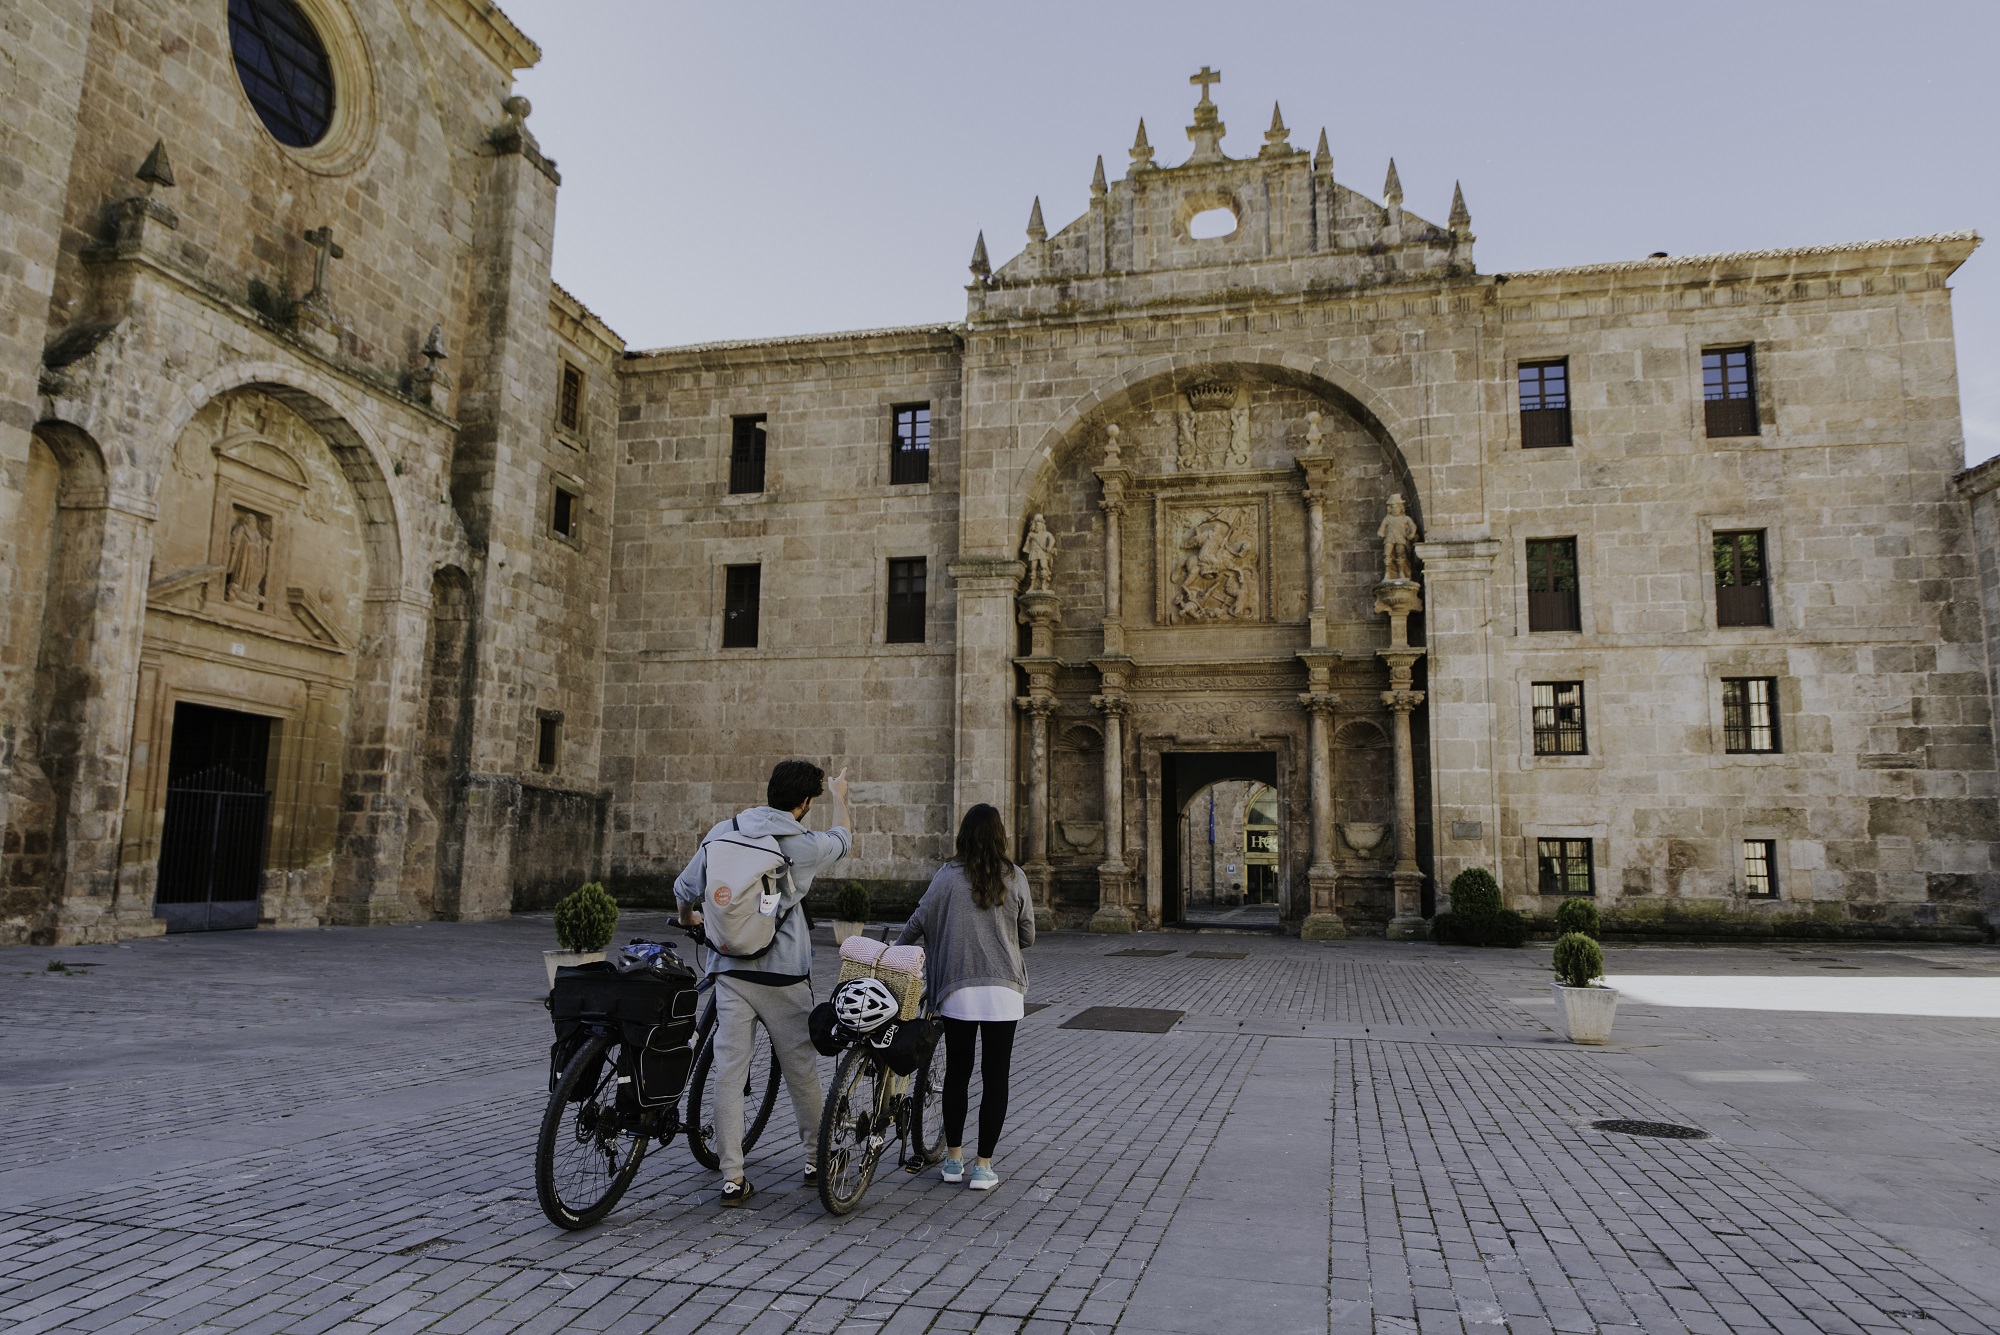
(1212,429)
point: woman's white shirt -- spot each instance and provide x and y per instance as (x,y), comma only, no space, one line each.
(984,1004)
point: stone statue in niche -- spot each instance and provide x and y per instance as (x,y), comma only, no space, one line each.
(1039,551)
(249,560)
(1397,531)
(1214,574)
(1213,430)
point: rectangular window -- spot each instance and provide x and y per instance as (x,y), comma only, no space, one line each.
(1750,715)
(1564,867)
(910,446)
(1742,591)
(746,455)
(1558,717)
(740,586)
(569,399)
(548,742)
(1553,600)
(1760,868)
(906,601)
(1544,404)
(1729,391)
(564,512)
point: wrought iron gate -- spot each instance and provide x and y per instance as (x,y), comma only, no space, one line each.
(212,851)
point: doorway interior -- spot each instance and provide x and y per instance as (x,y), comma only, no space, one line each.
(218,820)
(1223,842)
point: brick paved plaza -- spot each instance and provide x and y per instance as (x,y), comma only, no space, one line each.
(332,1131)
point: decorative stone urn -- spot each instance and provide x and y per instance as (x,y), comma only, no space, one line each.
(1586,1012)
(568,959)
(1364,838)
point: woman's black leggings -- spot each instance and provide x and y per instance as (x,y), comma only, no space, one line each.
(996,1043)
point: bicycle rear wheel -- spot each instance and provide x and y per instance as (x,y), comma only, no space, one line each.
(854,1130)
(927,1112)
(760,1091)
(589,1148)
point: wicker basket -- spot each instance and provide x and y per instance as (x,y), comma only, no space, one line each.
(906,985)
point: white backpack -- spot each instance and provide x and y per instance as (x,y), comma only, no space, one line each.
(744,878)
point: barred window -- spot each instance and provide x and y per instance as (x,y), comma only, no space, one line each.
(1750,714)
(1558,718)
(746,455)
(906,601)
(1742,589)
(1729,391)
(1554,602)
(1565,867)
(1544,404)
(1760,868)
(569,399)
(740,589)
(910,445)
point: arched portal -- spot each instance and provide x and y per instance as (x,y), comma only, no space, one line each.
(1206,578)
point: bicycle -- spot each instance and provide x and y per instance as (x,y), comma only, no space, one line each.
(868,1105)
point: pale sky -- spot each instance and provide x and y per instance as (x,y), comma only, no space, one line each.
(735,170)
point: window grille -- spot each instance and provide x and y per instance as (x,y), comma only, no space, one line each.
(569,401)
(1558,718)
(1750,715)
(746,455)
(1565,867)
(906,601)
(910,447)
(284,69)
(1742,589)
(740,589)
(1760,868)
(1544,404)
(1729,391)
(1553,599)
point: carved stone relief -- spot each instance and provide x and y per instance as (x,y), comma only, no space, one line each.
(1212,561)
(249,558)
(1212,429)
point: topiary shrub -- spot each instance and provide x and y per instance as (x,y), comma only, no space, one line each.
(1578,960)
(1475,895)
(1506,928)
(585,919)
(1443,927)
(1476,917)
(850,902)
(1577,915)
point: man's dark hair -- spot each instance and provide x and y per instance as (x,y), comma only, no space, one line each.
(792,782)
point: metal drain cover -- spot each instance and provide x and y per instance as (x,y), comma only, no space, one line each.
(1218,954)
(1136,954)
(1124,1019)
(1665,1130)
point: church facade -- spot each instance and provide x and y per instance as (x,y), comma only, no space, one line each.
(336,526)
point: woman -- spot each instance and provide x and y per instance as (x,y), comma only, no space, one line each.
(976,916)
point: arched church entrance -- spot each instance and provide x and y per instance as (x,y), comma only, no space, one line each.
(1223,849)
(1221,586)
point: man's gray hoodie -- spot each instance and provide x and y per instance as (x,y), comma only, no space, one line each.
(790,955)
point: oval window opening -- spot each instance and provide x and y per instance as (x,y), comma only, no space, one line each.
(284,68)
(1211,223)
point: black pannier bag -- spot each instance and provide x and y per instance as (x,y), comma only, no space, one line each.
(828,1038)
(907,1045)
(653,1008)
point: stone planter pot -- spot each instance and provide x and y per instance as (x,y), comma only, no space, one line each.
(564,959)
(842,929)
(1586,1012)
(1364,838)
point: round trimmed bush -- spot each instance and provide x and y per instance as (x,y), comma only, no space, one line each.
(1506,928)
(1577,915)
(850,902)
(1475,895)
(1577,959)
(585,918)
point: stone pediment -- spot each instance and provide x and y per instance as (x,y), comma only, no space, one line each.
(314,618)
(1295,229)
(266,459)
(181,587)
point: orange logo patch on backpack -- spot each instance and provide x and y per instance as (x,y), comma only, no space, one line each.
(722,894)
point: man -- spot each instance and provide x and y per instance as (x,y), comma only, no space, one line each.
(775,986)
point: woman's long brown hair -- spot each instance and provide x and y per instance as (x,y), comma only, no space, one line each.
(982,851)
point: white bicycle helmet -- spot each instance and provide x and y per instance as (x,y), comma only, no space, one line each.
(864,1004)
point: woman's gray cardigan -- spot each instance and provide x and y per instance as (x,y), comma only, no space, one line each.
(968,946)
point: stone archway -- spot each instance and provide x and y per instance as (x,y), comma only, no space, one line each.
(1206,571)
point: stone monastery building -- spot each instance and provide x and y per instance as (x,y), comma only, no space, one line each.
(354,573)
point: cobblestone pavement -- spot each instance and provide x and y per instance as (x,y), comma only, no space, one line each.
(332,1131)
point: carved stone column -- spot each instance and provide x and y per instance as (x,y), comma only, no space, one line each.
(1113,475)
(1408,924)
(1114,913)
(1322,921)
(1319,485)
(1039,611)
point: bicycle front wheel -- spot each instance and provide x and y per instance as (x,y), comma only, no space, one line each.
(853,1130)
(927,1112)
(589,1148)
(760,1092)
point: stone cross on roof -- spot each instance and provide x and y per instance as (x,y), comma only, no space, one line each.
(1207,131)
(1205,78)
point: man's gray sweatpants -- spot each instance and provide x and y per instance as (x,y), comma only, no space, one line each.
(783,1010)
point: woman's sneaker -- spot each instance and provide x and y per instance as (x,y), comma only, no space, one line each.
(983,1178)
(952,1170)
